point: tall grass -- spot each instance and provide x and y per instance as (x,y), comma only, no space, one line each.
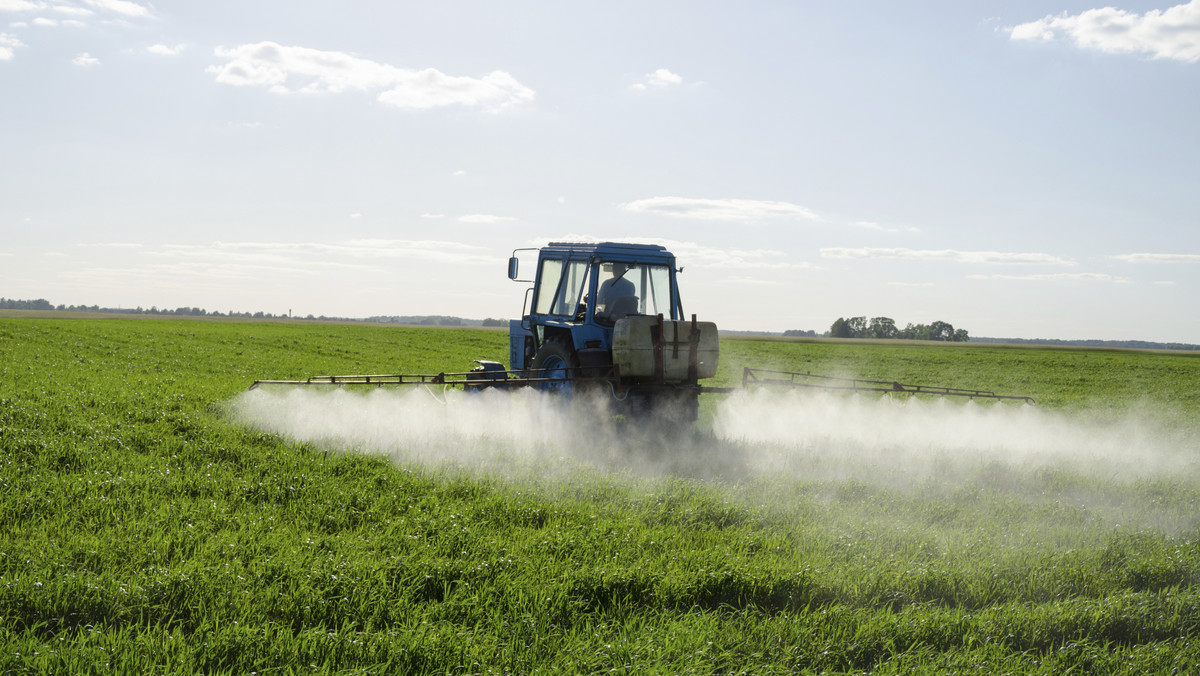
(143,529)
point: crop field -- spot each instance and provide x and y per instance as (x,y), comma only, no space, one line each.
(157,517)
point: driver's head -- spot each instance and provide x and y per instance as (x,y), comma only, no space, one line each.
(619,269)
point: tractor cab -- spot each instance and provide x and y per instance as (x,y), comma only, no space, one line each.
(580,291)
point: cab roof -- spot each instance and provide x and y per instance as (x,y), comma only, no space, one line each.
(616,250)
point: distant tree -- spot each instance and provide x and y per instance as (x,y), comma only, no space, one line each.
(840,329)
(882,327)
(960,336)
(799,333)
(885,327)
(940,330)
(13,304)
(858,327)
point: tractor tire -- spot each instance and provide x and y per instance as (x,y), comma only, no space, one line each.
(559,361)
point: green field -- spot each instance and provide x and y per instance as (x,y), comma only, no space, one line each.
(157,518)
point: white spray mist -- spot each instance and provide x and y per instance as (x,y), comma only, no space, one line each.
(800,436)
(896,440)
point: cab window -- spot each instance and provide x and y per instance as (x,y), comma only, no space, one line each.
(566,301)
(548,278)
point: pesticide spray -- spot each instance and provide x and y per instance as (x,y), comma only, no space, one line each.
(808,435)
(908,441)
(908,445)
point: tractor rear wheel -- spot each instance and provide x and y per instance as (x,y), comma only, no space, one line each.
(555,360)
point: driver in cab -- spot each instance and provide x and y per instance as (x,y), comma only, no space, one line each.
(616,296)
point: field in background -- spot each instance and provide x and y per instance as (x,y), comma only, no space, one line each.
(145,526)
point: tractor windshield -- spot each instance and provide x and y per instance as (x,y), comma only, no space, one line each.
(632,289)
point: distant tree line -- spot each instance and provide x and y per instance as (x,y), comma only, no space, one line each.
(436,320)
(43,304)
(11,304)
(885,327)
(422,320)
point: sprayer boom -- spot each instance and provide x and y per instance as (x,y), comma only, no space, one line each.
(757,377)
(487,374)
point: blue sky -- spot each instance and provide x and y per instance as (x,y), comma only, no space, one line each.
(1018,169)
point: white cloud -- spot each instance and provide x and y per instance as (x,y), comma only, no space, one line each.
(214,273)
(871,225)
(85,60)
(751,281)
(718,209)
(717,258)
(485,218)
(20,6)
(663,77)
(430,88)
(166,50)
(43,21)
(1057,277)
(1158,258)
(694,254)
(355,253)
(284,69)
(123,7)
(70,10)
(1173,33)
(8,46)
(659,78)
(942,255)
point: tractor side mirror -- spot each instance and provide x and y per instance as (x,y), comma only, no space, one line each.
(512,268)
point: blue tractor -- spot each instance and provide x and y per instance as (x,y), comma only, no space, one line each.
(607,316)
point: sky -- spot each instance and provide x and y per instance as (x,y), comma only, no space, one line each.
(1015,168)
